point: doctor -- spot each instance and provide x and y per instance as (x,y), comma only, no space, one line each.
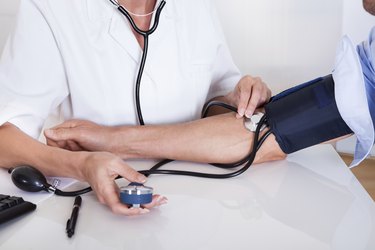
(80,58)
(223,138)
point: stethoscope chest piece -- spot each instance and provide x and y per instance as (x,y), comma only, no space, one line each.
(136,194)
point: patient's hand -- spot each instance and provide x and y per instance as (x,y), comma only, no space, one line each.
(78,135)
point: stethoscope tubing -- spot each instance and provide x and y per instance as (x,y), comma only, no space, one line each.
(145,34)
(135,27)
(155,169)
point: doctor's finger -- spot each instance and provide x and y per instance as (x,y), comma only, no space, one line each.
(62,134)
(263,90)
(69,124)
(157,200)
(109,196)
(253,103)
(129,173)
(51,142)
(245,93)
(73,146)
(56,144)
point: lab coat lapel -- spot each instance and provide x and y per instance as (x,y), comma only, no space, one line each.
(121,32)
(160,41)
(99,11)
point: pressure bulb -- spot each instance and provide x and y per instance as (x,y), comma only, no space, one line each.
(30,179)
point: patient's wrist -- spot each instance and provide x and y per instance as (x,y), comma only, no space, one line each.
(122,140)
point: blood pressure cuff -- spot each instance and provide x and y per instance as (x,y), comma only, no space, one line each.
(306,115)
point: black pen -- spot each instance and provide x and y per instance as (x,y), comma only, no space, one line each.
(71,223)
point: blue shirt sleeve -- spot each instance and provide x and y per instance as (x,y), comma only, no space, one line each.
(366,54)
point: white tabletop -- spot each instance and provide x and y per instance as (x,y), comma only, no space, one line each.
(311,200)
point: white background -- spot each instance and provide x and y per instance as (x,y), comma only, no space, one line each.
(286,42)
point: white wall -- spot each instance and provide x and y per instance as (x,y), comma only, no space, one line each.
(356,21)
(286,42)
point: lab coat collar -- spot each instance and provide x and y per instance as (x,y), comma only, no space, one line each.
(350,95)
(121,31)
(98,10)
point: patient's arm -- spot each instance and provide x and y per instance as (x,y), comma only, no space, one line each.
(219,139)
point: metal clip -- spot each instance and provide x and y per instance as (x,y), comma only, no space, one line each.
(55,184)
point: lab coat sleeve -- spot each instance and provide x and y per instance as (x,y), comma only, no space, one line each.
(32,75)
(225,73)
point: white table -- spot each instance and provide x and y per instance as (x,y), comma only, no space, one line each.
(311,200)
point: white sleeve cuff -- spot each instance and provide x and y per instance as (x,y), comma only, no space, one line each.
(29,124)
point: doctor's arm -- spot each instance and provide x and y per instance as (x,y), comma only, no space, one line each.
(32,84)
(98,169)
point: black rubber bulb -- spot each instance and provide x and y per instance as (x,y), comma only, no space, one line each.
(29,179)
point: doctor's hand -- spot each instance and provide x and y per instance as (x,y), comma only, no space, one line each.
(79,135)
(249,94)
(101,169)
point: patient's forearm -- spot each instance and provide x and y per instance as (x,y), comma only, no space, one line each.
(220,139)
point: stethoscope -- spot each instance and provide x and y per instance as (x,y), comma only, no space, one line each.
(30,179)
(145,34)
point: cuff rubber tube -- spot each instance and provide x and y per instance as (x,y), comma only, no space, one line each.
(306,115)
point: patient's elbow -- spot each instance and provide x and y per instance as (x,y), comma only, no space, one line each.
(269,151)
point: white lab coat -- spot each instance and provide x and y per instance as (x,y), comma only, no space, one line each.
(81,57)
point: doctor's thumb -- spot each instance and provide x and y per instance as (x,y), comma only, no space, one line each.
(58,134)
